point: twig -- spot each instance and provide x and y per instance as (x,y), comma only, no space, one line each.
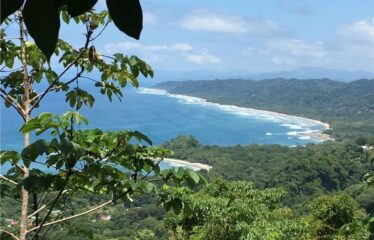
(10,234)
(45,205)
(90,210)
(4,95)
(8,180)
(72,217)
(102,30)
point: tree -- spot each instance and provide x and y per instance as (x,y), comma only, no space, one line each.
(338,215)
(83,160)
(234,210)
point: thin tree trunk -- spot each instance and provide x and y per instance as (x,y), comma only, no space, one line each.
(26,108)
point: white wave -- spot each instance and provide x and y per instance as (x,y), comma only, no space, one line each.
(268,134)
(293,133)
(152,91)
(293,126)
(304,137)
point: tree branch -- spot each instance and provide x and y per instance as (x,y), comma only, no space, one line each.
(45,205)
(73,216)
(4,95)
(88,37)
(53,203)
(8,180)
(10,234)
(88,211)
(102,30)
(58,87)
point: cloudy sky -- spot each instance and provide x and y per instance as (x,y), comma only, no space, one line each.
(249,35)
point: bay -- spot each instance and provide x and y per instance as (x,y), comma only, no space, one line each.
(162,117)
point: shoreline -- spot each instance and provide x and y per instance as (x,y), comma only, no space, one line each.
(284,119)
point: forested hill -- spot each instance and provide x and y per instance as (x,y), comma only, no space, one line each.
(348,107)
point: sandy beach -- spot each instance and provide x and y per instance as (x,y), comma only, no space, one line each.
(183,163)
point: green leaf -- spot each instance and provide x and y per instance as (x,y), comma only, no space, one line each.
(66,147)
(42,20)
(65,17)
(167,205)
(10,156)
(32,151)
(127,16)
(140,136)
(147,187)
(78,7)
(9,62)
(177,205)
(30,126)
(8,7)
(193,175)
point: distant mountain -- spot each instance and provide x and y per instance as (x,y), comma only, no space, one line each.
(317,73)
(299,73)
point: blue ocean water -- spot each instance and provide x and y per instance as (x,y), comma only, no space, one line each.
(163,116)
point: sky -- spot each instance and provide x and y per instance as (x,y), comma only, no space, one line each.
(248,35)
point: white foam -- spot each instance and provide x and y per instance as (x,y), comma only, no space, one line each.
(268,134)
(293,126)
(293,133)
(304,137)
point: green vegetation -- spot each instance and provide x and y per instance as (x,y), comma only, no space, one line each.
(304,172)
(108,185)
(115,164)
(237,210)
(348,107)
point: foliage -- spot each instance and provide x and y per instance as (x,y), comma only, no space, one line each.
(235,210)
(348,107)
(42,17)
(126,220)
(68,159)
(116,70)
(305,172)
(338,215)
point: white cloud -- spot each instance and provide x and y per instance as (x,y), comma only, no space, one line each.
(361,30)
(202,58)
(265,27)
(296,48)
(126,46)
(248,51)
(285,51)
(149,18)
(154,48)
(184,47)
(114,47)
(159,53)
(213,22)
(210,21)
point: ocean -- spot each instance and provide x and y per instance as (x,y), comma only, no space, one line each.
(163,116)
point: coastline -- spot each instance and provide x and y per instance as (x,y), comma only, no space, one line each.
(299,126)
